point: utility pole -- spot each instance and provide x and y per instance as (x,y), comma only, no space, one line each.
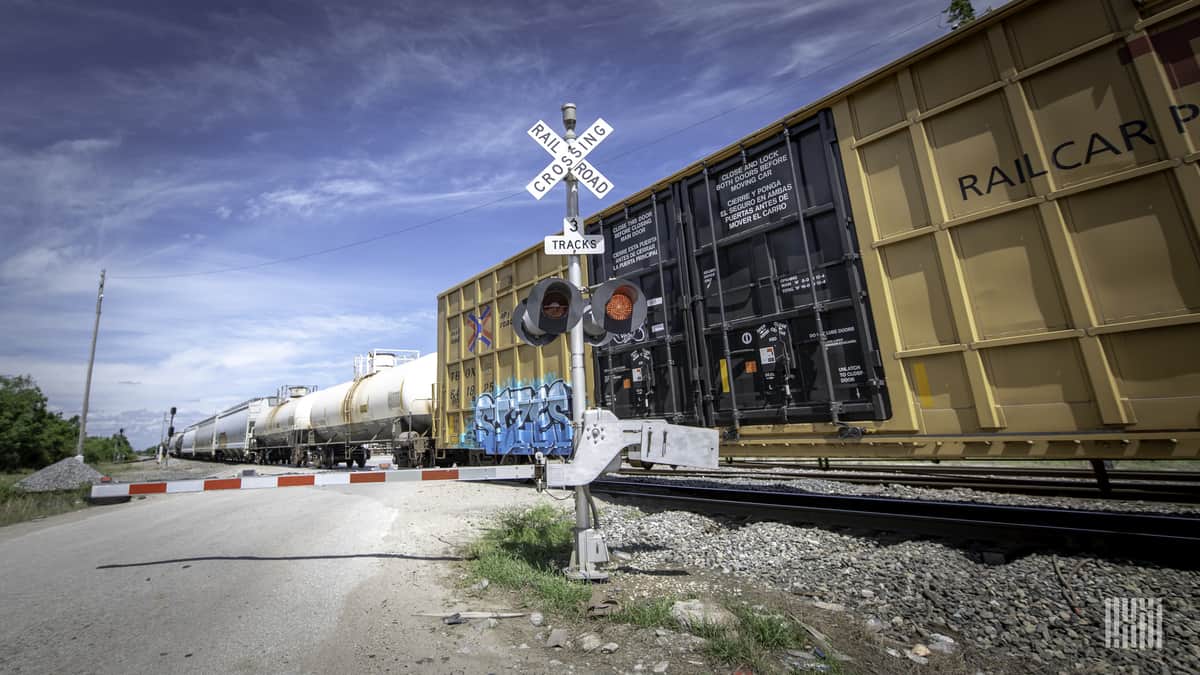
(87,389)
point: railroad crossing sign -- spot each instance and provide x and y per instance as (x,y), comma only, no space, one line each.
(573,240)
(569,158)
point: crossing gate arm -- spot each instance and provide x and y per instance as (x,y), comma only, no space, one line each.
(597,451)
(472,473)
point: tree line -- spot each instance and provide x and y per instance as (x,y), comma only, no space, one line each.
(32,436)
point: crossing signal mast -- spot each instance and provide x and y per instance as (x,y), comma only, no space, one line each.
(616,307)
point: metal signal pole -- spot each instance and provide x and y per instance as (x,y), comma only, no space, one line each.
(575,276)
(87,389)
(583,566)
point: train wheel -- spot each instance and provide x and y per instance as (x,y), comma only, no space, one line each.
(646,465)
(361,461)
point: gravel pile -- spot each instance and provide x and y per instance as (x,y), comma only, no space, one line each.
(67,474)
(1038,613)
(832,487)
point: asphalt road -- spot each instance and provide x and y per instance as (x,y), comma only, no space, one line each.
(286,580)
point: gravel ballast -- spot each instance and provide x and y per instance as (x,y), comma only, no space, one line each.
(66,474)
(1039,613)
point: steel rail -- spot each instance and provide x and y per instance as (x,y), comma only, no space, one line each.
(938,469)
(1144,536)
(1162,490)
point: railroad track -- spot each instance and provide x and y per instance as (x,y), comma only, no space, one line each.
(964,470)
(1163,537)
(1161,486)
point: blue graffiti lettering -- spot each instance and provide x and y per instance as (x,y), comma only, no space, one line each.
(522,420)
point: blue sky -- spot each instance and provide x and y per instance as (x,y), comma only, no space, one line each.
(167,142)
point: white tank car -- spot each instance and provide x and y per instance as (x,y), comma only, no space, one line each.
(280,429)
(234,427)
(388,404)
(203,444)
(224,436)
(187,446)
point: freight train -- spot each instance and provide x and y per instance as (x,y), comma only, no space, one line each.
(989,248)
(387,406)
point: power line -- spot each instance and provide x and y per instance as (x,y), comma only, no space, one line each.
(433,221)
(333,249)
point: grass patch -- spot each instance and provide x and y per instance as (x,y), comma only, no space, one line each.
(526,551)
(757,641)
(18,506)
(119,468)
(648,613)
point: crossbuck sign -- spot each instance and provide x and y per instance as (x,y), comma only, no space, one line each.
(569,158)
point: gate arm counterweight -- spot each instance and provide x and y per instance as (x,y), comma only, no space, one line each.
(604,436)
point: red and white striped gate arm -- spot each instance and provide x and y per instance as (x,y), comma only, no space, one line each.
(471,473)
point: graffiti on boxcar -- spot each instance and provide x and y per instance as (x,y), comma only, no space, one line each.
(523,419)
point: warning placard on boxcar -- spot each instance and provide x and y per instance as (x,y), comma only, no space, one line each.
(634,242)
(795,283)
(757,192)
(841,345)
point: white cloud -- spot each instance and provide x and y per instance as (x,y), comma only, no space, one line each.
(350,187)
(33,263)
(345,196)
(300,201)
(721,21)
(85,145)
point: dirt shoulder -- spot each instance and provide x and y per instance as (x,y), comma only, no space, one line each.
(381,630)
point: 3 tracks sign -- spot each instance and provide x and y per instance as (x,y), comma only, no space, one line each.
(573,240)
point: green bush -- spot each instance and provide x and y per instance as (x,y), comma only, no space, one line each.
(113,449)
(30,435)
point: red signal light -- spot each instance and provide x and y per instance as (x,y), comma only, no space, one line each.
(555,305)
(620,306)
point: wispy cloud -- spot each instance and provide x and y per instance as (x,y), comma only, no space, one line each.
(744,20)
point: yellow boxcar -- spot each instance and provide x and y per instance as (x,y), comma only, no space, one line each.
(496,394)
(988,248)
